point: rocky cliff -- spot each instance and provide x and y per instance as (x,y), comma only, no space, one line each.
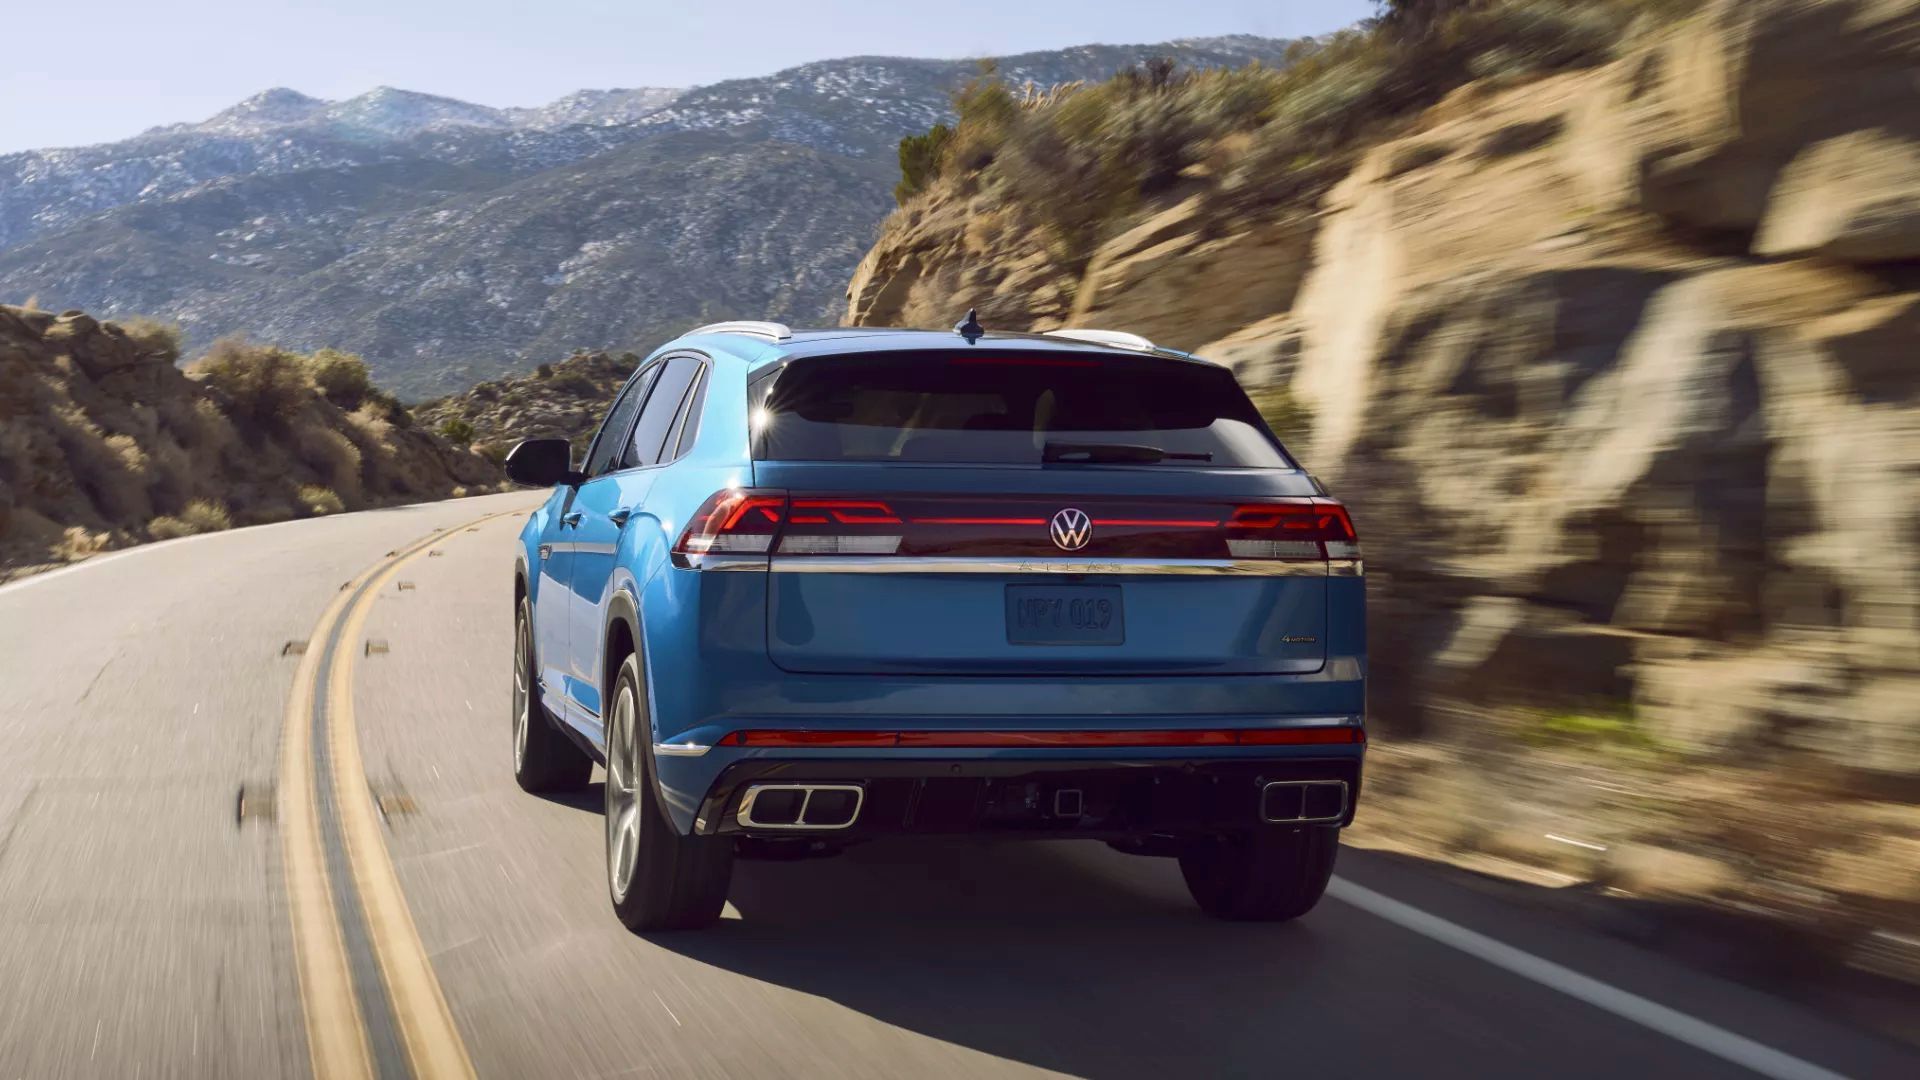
(566,400)
(105,442)
(1616,363)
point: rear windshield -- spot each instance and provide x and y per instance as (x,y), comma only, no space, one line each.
(1014,408)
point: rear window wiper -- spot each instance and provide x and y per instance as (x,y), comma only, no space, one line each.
(1112,453)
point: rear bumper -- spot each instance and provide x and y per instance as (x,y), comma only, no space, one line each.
(1117,799)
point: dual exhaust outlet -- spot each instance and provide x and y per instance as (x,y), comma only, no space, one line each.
(837,806)
(801,806)
(1303,802)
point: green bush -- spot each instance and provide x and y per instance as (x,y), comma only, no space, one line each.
(921,159)
(456,431)
(267,385)
(341,376)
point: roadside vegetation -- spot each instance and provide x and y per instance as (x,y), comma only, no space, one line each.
(106,441)
(1079,158)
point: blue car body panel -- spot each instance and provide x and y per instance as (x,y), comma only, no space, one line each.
(723,652)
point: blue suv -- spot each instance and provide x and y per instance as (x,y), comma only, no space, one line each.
(812,587)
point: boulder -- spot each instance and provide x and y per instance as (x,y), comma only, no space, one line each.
(1855,198)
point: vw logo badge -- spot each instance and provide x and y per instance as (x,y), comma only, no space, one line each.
(1071,529)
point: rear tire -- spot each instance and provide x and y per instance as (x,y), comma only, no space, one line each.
(1263,875)
(657,877)
(544,760)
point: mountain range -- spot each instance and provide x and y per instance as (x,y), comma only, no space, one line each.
(450,242)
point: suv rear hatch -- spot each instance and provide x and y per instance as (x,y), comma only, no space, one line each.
(990,512)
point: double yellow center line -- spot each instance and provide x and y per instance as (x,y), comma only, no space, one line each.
(373,1006)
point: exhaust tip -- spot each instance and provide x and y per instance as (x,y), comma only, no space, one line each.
(800,806)
(1293,802)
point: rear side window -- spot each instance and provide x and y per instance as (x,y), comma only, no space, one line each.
(1013,408)
(663,407)
(613,431)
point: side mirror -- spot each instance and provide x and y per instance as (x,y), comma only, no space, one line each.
(542,463)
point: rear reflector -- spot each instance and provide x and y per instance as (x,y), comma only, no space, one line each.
(1303,736)
(839,545)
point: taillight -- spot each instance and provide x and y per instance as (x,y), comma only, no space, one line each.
(1307,529)
(763,521)
(834,526)
(760,521)
(740,521)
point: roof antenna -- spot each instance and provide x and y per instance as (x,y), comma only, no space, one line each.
(970,327)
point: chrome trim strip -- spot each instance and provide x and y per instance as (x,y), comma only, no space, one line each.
(680,749)
(1303,819)
(933,564)
(1346,568)
(745,814)
(720,562)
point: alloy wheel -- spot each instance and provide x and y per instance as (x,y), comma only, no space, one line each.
(623,804)
(522,692)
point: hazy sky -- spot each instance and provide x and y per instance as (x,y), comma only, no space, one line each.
(107,69)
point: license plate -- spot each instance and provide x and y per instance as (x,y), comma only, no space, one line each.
(1065,615)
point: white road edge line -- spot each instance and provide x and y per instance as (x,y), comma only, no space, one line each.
(1672,1023)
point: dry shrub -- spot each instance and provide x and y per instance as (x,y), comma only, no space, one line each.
(166,527)
(78,543)
(96,466)
(1080,159)
(200,516)
(263,384)
(341,376)
(153,337)
(333,456)
(317,500)
(206,515)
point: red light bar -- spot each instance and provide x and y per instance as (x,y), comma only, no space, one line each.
(1025,361)
(1302,736)
(1150,523)
(978,521)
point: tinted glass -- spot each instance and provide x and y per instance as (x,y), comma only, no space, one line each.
(607,445)
(1009,408)
(663,406)
(681,439)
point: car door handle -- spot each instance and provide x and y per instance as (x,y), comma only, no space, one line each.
(568,521)
(619,517)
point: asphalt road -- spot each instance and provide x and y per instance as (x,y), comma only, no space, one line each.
(145,929)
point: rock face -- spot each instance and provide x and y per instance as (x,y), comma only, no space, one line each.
(105,442)
(566,400)
(1617,369)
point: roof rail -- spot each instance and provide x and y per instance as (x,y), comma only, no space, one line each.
(772,331)
(1107,337)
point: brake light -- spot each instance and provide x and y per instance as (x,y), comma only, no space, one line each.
(1024,361)
(735,521)
(1304,529)
(765,521)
